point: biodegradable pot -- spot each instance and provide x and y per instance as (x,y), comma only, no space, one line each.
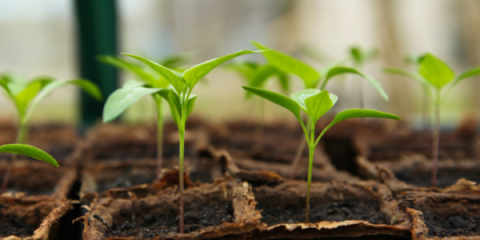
(115,142)
(223,209)
(31,179)
(275,147)
(452,214)
(365,208)
(414,172)
(33,219)
(58,140)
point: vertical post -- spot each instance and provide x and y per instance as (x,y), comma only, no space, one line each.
(96,35)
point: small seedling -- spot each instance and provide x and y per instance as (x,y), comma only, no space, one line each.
(311,79)
(315,103)
(434,75)
(178,96)
(27,96)
(128,94)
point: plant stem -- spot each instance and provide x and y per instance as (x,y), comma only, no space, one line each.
(436,143)
(158,101)
(361,99)
(181,130)
(21,138)
(311,153)
(298,154)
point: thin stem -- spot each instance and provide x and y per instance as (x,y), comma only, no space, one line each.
(436,143)
(311,146)
(21,138)
(360,95)
(159,102)
(298,154)
(181,188)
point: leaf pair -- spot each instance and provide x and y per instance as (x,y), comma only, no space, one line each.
(29,151)
(308,74)
(26,96)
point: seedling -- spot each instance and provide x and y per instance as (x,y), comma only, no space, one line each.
(315,103)
(360,57)
(311,79)
(26,97)
(434,75)
(178,96)
(151,78)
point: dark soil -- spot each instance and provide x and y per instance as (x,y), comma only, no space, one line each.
(445,176)
(16,228)
(341,152)
(27,180)
(337,211)
(197,216)
(137,151)
(124,181)
(451,226)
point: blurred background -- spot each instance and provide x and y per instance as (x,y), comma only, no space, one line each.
(40,37)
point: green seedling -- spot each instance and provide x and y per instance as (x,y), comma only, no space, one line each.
(360,57)
(433,74)
(178,96)
(151,78)
(25,150)
(312,79)
(315,103)
(27,95)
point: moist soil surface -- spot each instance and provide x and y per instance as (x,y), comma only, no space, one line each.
(451,226)
(445,177)
(18,229)
(197,216)
(336,211)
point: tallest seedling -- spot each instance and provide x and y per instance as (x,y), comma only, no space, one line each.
(315,103)
(180,98)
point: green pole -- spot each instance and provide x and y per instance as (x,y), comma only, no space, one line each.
(96,35)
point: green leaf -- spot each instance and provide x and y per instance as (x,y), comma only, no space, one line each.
(302,95)
(190,104)
(132,84)
(26,95)
(435,71)
(417,77)
(5,86)
(319,104)
(278,99)
(335,71)
(87,86)
(29,151)
(197,72)
(467,74)
(174,102)
(284,81)
(175,78)
(246,69)
(175,61)
(361,56)
(288,64)
(130,67)
(361,113)
(123,98)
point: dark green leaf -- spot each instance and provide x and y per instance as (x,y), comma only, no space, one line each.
(335,71)
(29,151)
(435,71)
(278,99)
(175,78)
(288,64)
(197,72)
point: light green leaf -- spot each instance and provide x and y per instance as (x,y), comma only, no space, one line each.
(261,76)
(175,78)
(319,104)
(246,69)
(132,84)
(288,64)
(335,71)
(284,81)
(29,151)
(302,95)
(87,86)
(435,71)
(417,77)
(361,113)
(123,98)
(15,83)
(174,102)
(130,67)
(197,72)
(190,104)
(278,99)
(26,95)
(5,86)
(467,74)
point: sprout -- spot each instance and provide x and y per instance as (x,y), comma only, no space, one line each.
(434,75)
(178,96)
(315,103)
(26,97)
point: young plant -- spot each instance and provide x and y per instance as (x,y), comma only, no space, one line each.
(315,103)
(360,57)
(311,79)
(178,96)
(434,75)
(127,93)
(26,97)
